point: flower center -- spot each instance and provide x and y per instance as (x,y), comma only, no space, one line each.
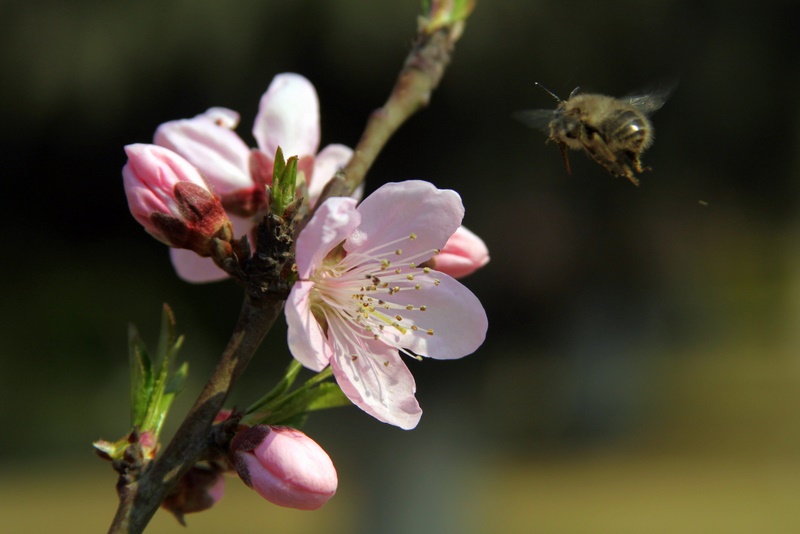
(374,294)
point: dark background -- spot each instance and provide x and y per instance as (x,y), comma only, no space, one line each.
(642,366)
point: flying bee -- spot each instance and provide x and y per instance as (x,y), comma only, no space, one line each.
(612,131)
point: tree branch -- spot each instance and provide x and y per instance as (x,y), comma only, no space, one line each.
(420,75)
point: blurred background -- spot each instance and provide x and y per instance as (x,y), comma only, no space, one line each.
(642,366)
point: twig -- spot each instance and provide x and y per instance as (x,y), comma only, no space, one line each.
(420,75)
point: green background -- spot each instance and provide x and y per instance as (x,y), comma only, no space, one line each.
(642,365)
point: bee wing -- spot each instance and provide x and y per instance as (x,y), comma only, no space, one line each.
(650,101)
(538,119)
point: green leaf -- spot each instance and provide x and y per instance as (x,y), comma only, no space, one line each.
(279,165)
(284,181)
(302,401)
(166,338)
(329,395)
(280,388)
(295,421)
(165,388)
(141,376)
(153,387)
(178,380)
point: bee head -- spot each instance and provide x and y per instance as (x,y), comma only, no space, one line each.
(566,125)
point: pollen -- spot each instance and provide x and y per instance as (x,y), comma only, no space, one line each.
(360,294)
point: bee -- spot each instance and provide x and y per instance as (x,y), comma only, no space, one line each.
(612,131)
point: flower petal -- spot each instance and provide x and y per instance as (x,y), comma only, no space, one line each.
(452,313)
(328,161)
(288,116)
(329,226)
(377,381)
(396,210)
(218,153)
(307,341)
(193,268)
(227,118)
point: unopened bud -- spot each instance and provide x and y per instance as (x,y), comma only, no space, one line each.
(463,254)
(169,197)
(284,466)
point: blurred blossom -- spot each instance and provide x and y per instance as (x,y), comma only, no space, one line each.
(199,489)
(169,197)
(284,466)
(288,116)
(463,254)
(362,295)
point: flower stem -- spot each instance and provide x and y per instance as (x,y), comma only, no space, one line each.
(141,497)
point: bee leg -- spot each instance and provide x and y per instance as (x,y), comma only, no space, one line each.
(564,155)
(633,179)
(637,164)
(633,158)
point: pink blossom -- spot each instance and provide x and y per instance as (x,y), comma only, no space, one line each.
(362,295)
(463,254)
(171,200)
(288,116)
(284,466)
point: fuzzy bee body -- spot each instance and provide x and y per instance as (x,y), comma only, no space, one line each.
(612,131)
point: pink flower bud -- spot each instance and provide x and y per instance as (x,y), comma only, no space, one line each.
(169,197)
(463,254)
(284,466)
